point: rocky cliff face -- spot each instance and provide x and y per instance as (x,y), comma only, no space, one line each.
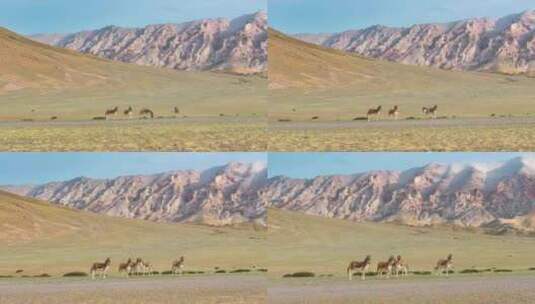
(504,45)
(238,45)
(467,196)
(219,196)
(499,197)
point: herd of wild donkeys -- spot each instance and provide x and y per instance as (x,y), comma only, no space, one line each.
(133,267)
(373,112)
(130,111)
(394,265)
(394,112)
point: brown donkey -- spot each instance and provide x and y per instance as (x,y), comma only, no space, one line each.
(401,267)
(362,266)
(178,266)
(374,112)
(101,268)
(444,265)
(394,112)
(145,112)
(128,112)
(430,111)
(111,111)
(383,267)
(126,267)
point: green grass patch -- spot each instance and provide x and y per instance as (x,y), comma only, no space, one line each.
(240,270)
(301,274)
(503,270)
(75,274)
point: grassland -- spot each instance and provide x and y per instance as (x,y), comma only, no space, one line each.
(481,134)
(39,82)
(191,134)
(42,238)
(325,246)
(325,90)
(334,85)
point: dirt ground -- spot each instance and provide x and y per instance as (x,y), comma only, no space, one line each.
(205,289)
(503,289)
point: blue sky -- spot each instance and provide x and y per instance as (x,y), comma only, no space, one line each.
(307,165)
(64,16)
(35,168)
(327,16)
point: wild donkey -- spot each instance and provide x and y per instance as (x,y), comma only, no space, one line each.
(444,265)
(111,112)
(401,267)
(126,267)
(383,267)
(430,111)
(394,112)
(178,266)
(101,268)
(362,266)
(374,112)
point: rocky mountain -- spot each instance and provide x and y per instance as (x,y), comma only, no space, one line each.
(238,45)
(504,45)
(218,196)
(501,197)
(498,197)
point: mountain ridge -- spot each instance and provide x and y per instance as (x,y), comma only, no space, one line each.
(219,44)
(505,45)
(497,197)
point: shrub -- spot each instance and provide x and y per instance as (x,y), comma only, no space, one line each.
(221,271)
(42,275)
(155,273)
(167,272)
(531,269)
(76,274)
(240,270)
(99,118)
(421,272)
(503,270)
(470,271)
(284,120)
(262,270)
(302,274)
(315,118)
(5,276)
(360,118)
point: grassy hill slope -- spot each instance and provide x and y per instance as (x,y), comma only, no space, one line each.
(317,81)
(325,246)
(39,81)
(42,238)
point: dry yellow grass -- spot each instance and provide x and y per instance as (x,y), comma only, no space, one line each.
(157,135)
(465,137)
